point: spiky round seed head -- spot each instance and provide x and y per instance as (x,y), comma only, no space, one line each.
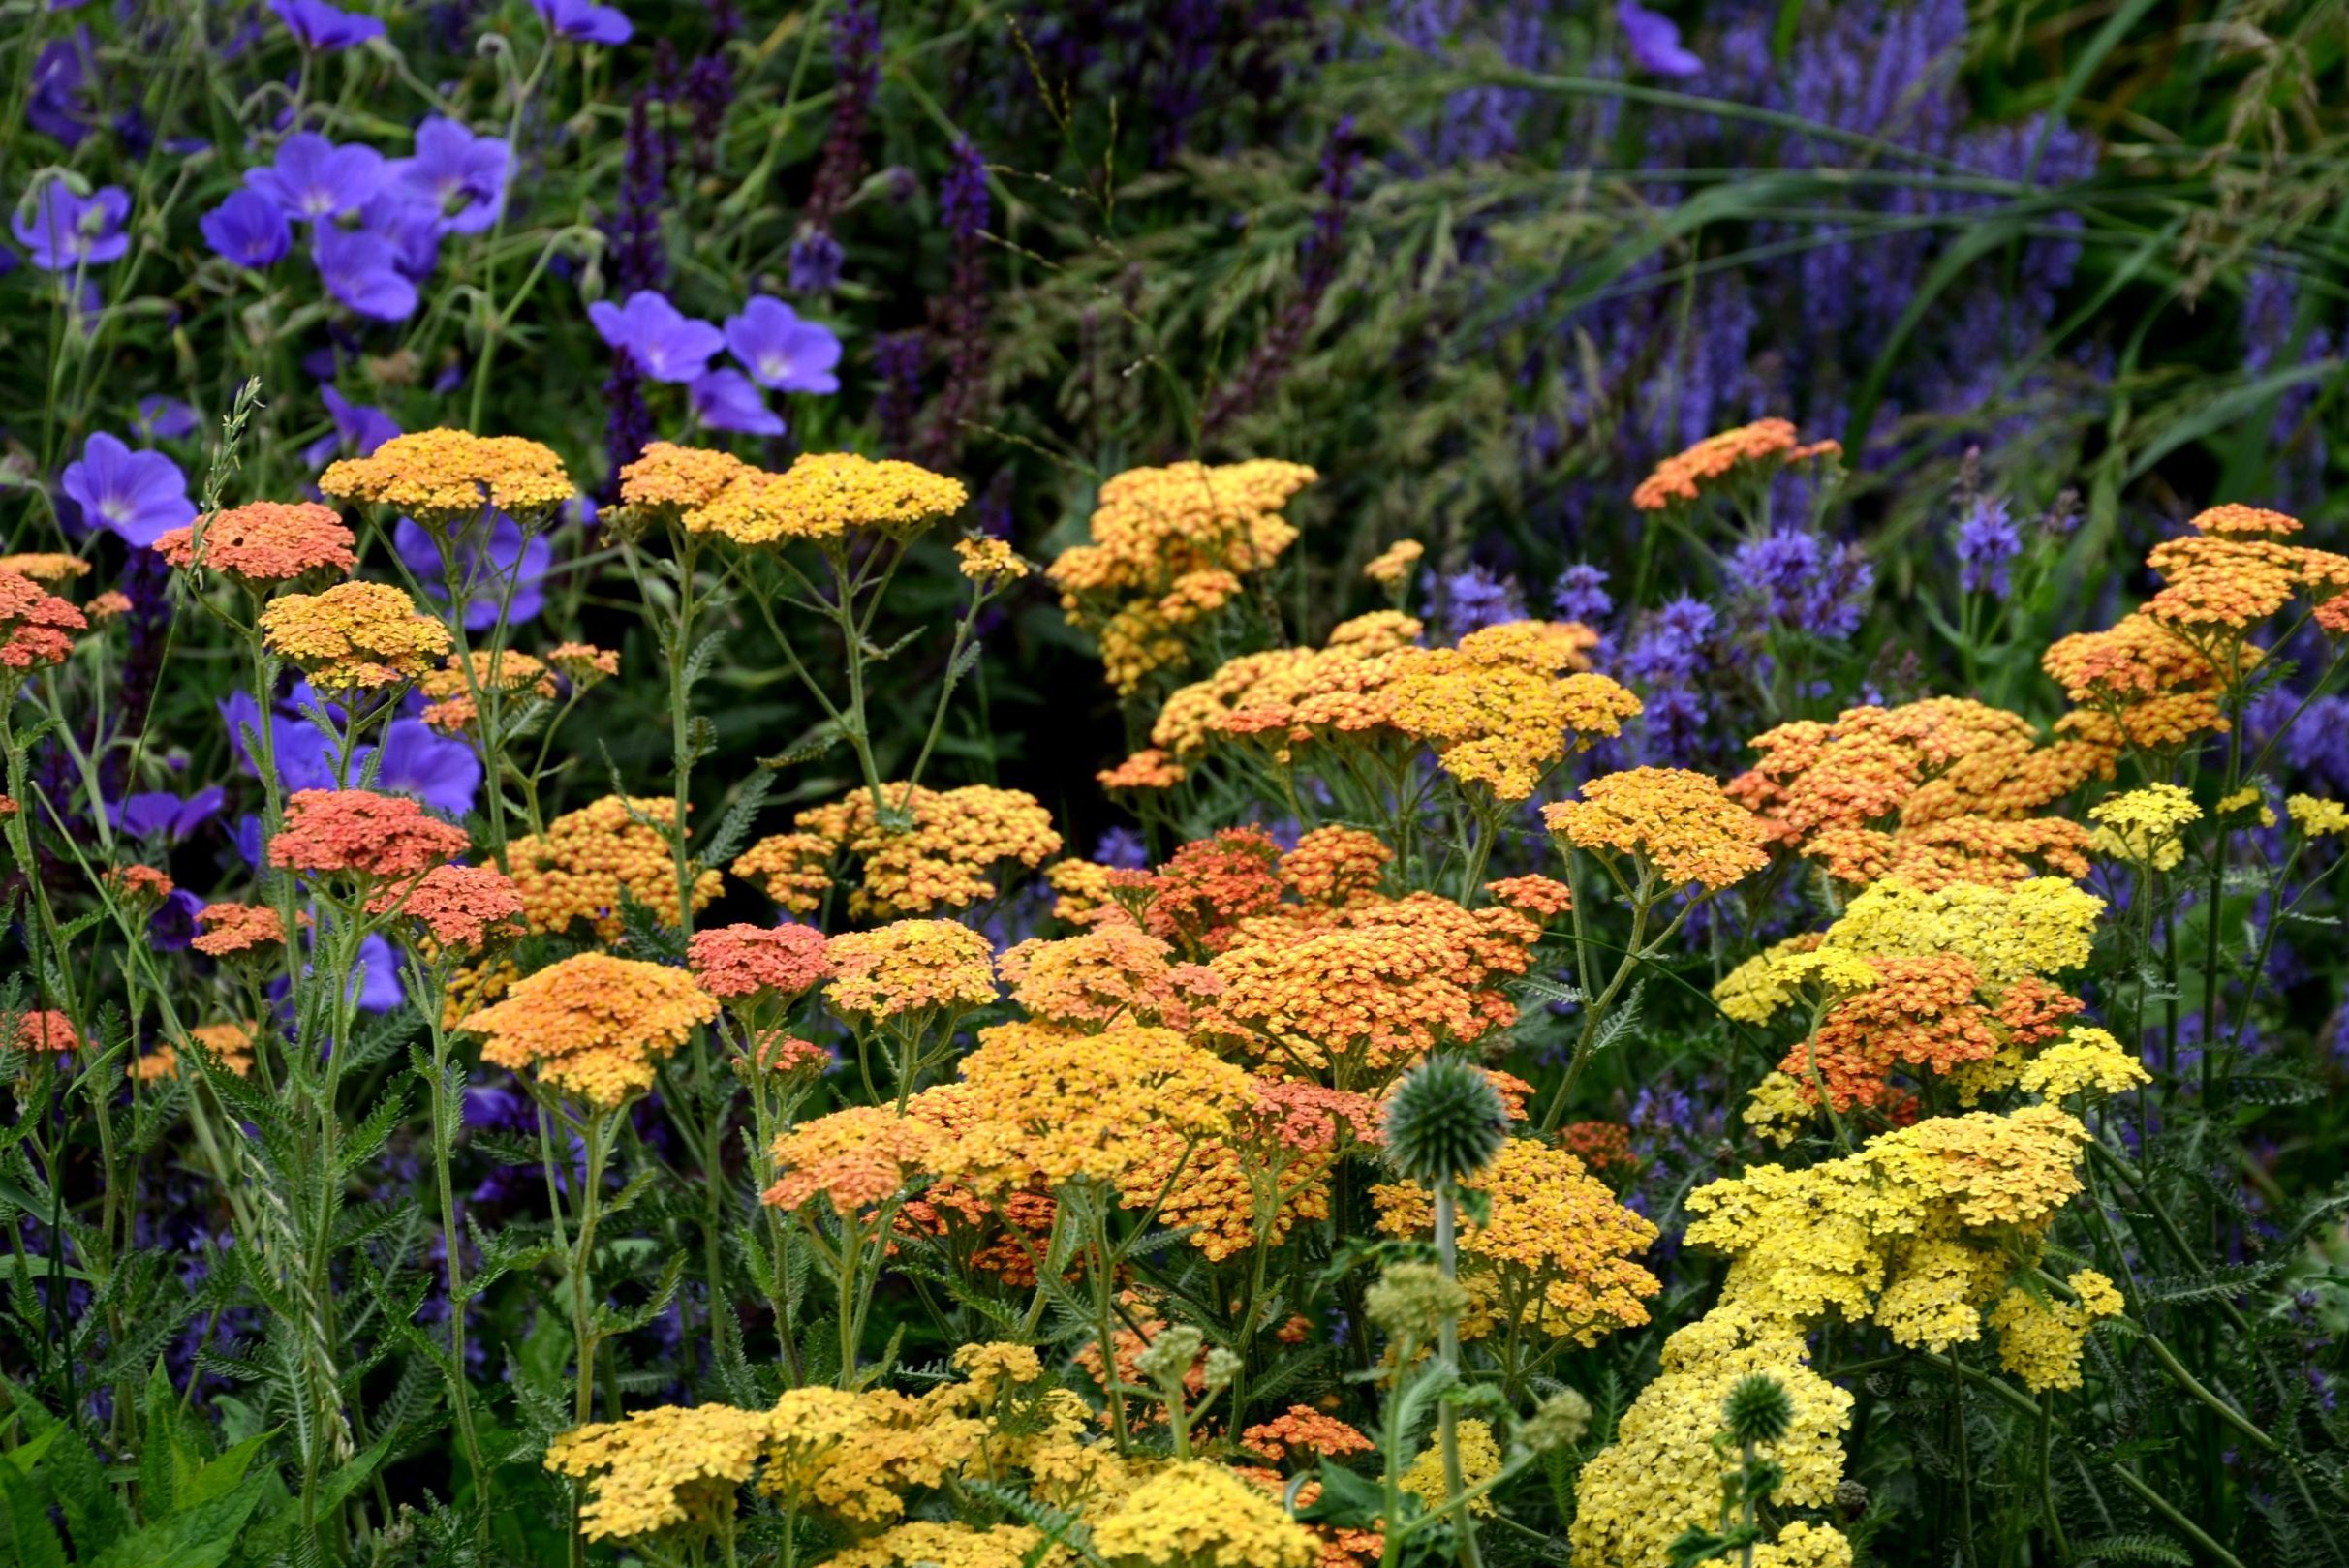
(1411,1301)
(1558,1422)
(1445,1121)
(1758,1409)
(1168,1360)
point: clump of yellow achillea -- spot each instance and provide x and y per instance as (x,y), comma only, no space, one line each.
(444,478)
(355,636)
(592,1026)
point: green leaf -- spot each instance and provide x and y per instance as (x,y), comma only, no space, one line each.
(269,1537)
(159,1463)
(94,1515)
(1352,1501)
(198,1537)
(26,1530)
(220,1476)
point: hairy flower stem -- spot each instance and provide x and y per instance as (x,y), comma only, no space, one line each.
(1447,1412)
(431,987)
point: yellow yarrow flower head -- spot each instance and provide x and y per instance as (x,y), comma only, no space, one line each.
(1195,1514)
(2318,817)
(823,497)
(1392,566)
(2084,1059)
(2040,1339)
(2244,802)
(2143,826)
(911,967)
(356,636)
(672,1470)
(444,478)
(1479,1463)
(989,562)
(1682,823)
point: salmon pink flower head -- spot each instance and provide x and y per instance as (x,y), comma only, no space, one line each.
(43,1029)
(444,478)
(264,543)
(738,961)
(592,1026)
(35,624)
(330,831)
(464,907)
(1757,449)
(233,930)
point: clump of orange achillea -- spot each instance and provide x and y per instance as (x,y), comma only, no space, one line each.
(1935,792)
(1168,549)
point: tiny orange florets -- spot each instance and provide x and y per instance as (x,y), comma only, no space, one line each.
(444,476)
(264,543)
(232,929)
(326,831)
(738,961)
(355,636)
(593,1024)
(34,624)
(459,906)
(1684,475)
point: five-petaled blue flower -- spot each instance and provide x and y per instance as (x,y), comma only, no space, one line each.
(780,351)
(141,496)
(249,230)
(665,343)
(314,178)
(64,230)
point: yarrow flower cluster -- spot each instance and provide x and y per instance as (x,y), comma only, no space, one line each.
(592,1025)
(445,479)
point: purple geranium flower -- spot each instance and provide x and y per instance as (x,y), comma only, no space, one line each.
(358,430)
(725,400)
(314,178)
(318,25)
(64,230)
(666,344)
(439,770)
(159,811)
(584,21)
(484,570)
(462,176)
(361,269)
(780,351)
(302,750)
(164,418)
(1654,42)
(61,104)
(410,221)
(249,230)
(141,496)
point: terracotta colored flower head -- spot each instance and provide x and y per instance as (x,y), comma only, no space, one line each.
(42,1031)
(462,907)
(358,831)
(738,961)
(36,626)
(233,930)
(265,543)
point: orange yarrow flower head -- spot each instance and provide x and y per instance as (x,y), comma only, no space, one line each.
(356,636)
(826,497)
(1755,451)
(592,1026)
(447,478)
(43,1031)
(329,832)
(667,481)
(230,1045)
(109,606)
(1682,823)
(241,931)
(583,663)
(1114,973)
(989,562)
(932,851)
(589,863)
(2238,521)
(1538,896)
(853,1158)
(1145,770)
(449,691)
(143,887)
(462,907)
(265,544)
(909,967)
(745,963)
(36,626)
(1391,567)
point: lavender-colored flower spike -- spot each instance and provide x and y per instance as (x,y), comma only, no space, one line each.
(1986,544)
(1581,594)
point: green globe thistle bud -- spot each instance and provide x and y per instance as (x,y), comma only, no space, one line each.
(1559,1422)
(1168,1360)
(1411,1300)
(1444,1122)
(1222,1366)
(1758,1409)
